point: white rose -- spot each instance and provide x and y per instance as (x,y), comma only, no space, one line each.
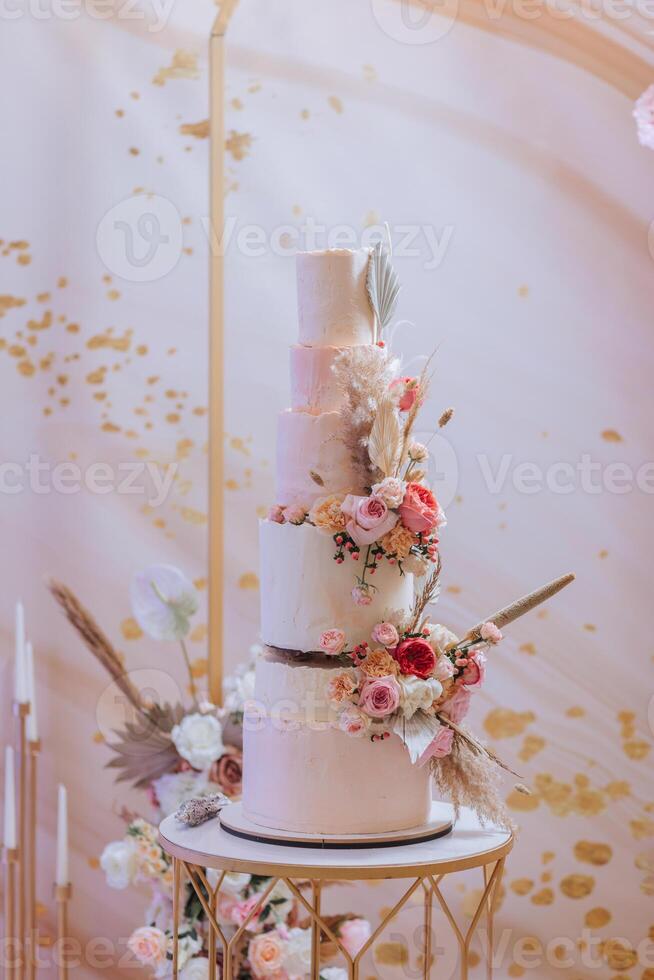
(297,956)
(440,638)
(281,902)
(333,973)
(416,693)
(196,969)
(199,740)
(234,883)
(391,490)
(415,565)
(118,861)
(187,948)
(159,912)
(163,601)
(175,788)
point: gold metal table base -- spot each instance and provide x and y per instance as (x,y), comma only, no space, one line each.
(427,884)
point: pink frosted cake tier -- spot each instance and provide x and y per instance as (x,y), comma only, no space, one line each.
(333,307)
(306,776)
(312,444)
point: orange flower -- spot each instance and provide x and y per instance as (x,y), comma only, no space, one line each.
(327,515)
(342,687)
(379,663)
(398,541)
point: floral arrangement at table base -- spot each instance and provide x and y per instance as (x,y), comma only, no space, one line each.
(176,754)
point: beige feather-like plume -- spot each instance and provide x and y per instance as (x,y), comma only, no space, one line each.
(385,442)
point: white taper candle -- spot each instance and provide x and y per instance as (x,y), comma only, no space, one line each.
(20,692)
(61,877)
(32,724)
(9,827)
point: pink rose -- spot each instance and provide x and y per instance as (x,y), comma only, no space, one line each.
(362,597)
(380,696)
(242,910)
(419,510)
(407,392)
(370,518)
(444,669)
(276,514)
(644,116)
(353,722)
(385,634)
(440,747)
(266,954)
(332,642)
(474,674)
(456,707)
(354,934)
(295,514)
(490,633)
(149,945)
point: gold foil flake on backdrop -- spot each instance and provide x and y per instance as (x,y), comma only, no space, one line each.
(617,955)
(192,516)
(590,627)
(238,144)
(199,130)
(109,341)
(43,297)
(199,668)
(529,648)
(200,584)
(26,368)
(93,863)
(237,104)
(532,745)
(392,954)
(16,351)
(173,418)
(110,427)
(505,723)
(576,711)
(335,103)
(113,295)
(544,897)
(183,66)
(98,738)
(62,282)
(248,580)
(603,553)
(453,589)
(523,292)
(520,803)
(597,918)
(369,73)
(611,435)
(305,114)
(44,324)
(239,445)
(131,629)
(199,633)
(9,303)
(183,449)
(547,857)
(641,829)
(577,886)
(521,886)
(590,852)
(563,799)
(134,151)
(637,750)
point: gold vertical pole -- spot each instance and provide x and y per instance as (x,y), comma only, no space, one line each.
(177,877)
(427,944)
(316,933)
(22,710)
(216,346)
(32,946)
(63,895)
(10,859)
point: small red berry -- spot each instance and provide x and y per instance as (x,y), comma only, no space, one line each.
(355,555)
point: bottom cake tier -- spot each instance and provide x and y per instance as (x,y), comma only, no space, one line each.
(303,775)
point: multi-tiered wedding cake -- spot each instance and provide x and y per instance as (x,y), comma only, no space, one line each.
(359,698)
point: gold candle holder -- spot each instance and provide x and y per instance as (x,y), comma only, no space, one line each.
(32,946)
(62,896)
(10,861)
(21,711)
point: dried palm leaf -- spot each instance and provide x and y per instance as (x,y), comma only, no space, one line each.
(142,754)
(385,440)
(383,286)
(518,608)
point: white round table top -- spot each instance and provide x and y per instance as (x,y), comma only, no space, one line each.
(468,846)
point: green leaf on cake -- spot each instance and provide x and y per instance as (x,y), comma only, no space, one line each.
(383,287)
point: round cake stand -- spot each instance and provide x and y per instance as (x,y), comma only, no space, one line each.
(424,865)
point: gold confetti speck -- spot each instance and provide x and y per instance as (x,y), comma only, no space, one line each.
(392,954)
(611,435)
(248,580)
(335,103)
(505,723)
(183,65)
(597,918)
(199,130)
(577,886)
(131,629)
(238,144)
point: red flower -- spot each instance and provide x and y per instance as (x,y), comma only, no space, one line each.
(419,511)
(415,657)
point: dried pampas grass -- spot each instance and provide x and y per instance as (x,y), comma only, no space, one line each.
(468,778)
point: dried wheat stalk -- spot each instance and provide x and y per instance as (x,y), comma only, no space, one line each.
(429,594)
(518,608)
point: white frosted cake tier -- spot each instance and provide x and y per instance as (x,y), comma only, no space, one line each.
(309,444)
(309,777)
(313,385)
(305,592)
(333,305)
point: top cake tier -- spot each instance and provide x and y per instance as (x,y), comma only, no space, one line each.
(333,305)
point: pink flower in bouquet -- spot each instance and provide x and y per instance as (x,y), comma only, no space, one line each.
(440,747)
(241,911)
(419,510)
(266,954)
(474,674)
(354,934)
(353,721)
(332,642)
(380,696)
(444,669)
(369,518)
(362,597)
(644,116)
(391,490)
(228,772)
(386,634)
(406,390)
(295,514)
(276,514)
(490,633)
(149,945)
(456,707)
(415,656)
